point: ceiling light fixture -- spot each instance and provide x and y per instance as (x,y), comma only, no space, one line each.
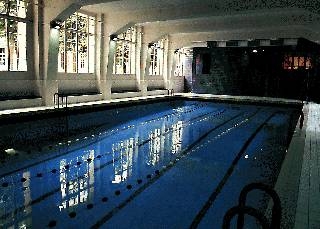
(55,24)
(113,37)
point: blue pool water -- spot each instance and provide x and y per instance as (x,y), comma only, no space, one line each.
(183,165)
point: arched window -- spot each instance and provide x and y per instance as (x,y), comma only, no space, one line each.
(13,25)
(77,44)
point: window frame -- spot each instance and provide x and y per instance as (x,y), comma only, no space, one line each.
(156,60)
(76,60)
(126,42)
(7,16)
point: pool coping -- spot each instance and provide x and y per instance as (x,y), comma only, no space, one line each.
(34,113)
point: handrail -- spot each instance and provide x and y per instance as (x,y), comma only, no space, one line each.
(241,209)
(170,92)
(57,96)
(244,210)
(276,209)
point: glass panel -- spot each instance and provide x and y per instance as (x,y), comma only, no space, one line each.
(61,55)
(3,6)
(3,46)
(13,8)
(82,23)
(21,48)
(287,63)
(71,22)
(92,23)
(71,51)
(133,34)
(91,54)
(12,28)
(133,58)
(308,63)
(301,61)
(21,9)
(126,59)
(118,58)
(83,53)
(295,62)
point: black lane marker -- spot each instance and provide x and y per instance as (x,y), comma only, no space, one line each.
(48,194)
(116,209)
(81,147)
(54,191)
(92,143)
(168,131)
(218,189)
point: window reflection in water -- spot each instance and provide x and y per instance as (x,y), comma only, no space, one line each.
(76,183)
(9,199)
(153,155)
(176,137)
(122,153)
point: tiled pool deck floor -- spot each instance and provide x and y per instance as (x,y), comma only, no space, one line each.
(298,184)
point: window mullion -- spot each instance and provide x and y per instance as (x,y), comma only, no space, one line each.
(65,48)
(8,44)
(88,45)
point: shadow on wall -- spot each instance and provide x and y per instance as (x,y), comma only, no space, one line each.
(187,86)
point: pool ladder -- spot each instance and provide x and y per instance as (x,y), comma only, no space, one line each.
(241,209)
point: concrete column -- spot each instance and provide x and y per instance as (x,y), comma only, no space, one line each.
(35,28)
(166,70)
(138,56)
(105,46)
(144,65)
(51,83)
(171,66)
(111,52)
(97,52)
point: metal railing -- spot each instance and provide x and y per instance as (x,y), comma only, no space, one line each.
(170,91)
(63,98)
(242,209)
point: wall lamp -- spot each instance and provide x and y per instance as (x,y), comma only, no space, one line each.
(55,24)
(113,37)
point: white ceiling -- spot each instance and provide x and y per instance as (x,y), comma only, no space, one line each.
(138,5)
(192,16)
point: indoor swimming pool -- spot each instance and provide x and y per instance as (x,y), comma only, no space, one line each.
(175,164)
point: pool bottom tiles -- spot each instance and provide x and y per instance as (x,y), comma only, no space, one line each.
(170,169)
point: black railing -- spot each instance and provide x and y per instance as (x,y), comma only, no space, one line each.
(58,97)
(170,91)
(242,209)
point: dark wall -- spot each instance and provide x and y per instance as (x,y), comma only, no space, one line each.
(240,71)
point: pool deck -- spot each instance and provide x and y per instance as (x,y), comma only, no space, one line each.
(298,184)
(308,210)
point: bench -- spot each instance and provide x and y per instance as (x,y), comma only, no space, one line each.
(63,97)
